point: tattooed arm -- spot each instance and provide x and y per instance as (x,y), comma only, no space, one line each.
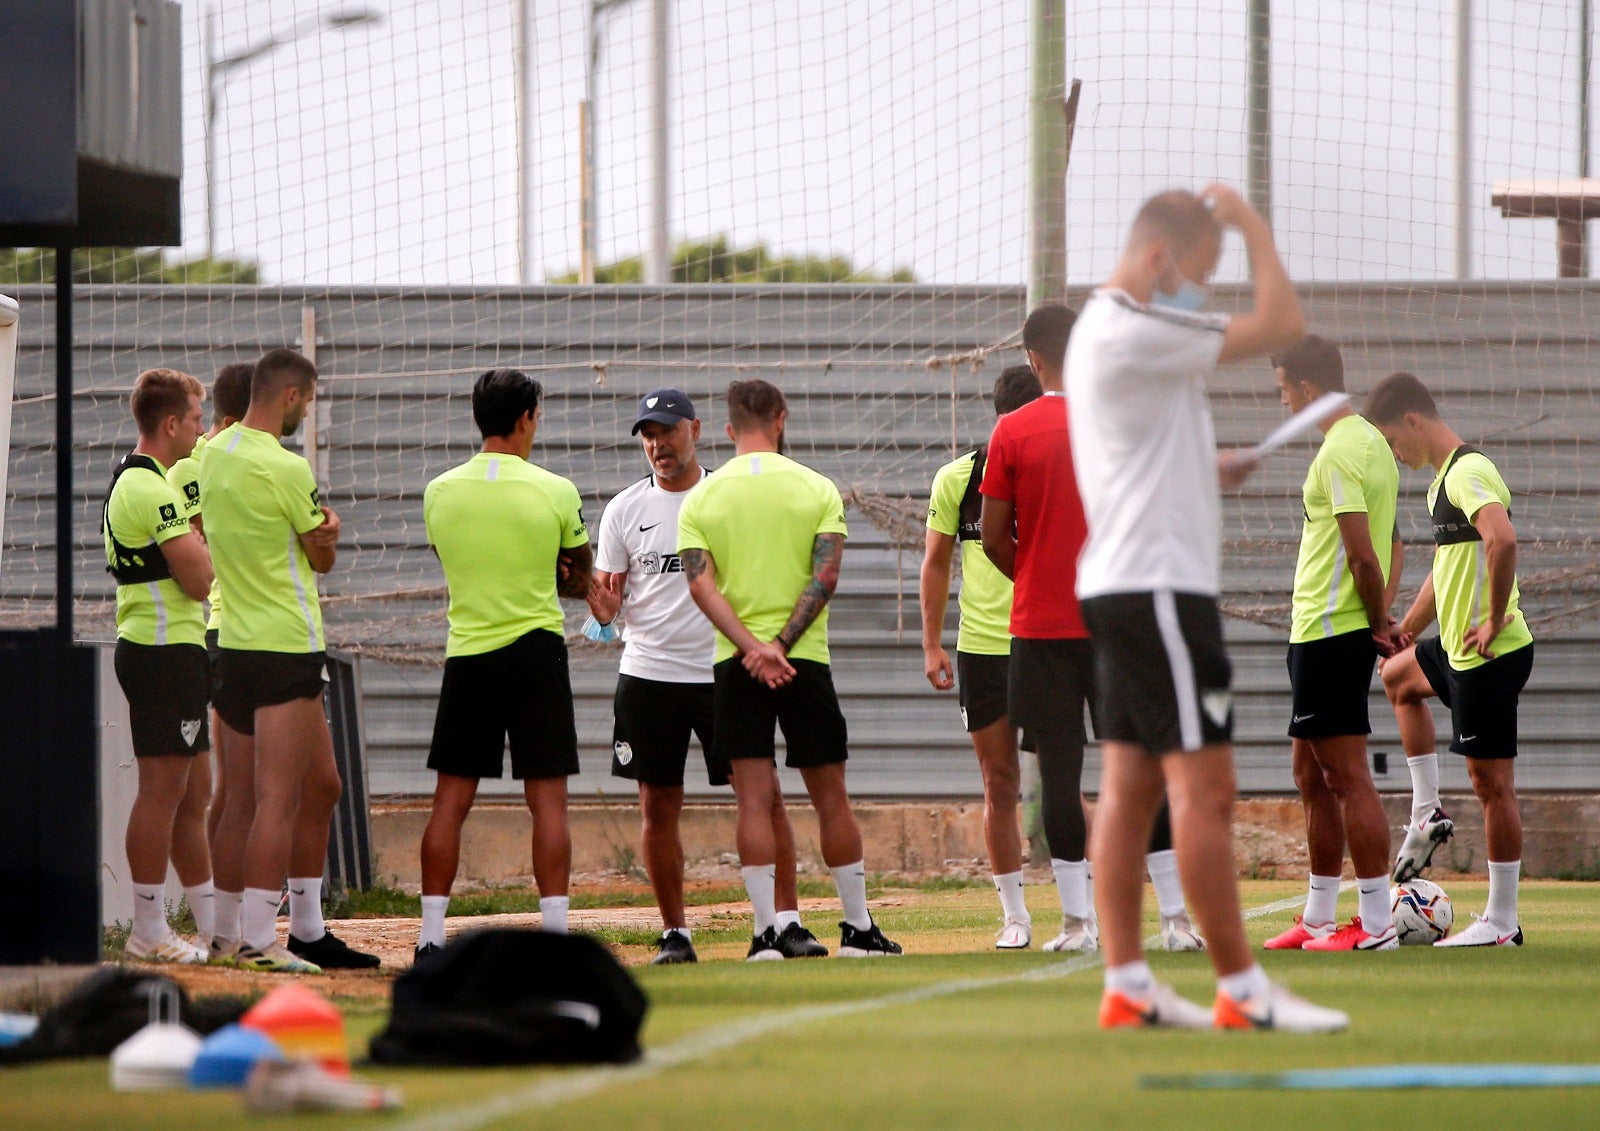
(765,661)
(826,552)
(574,582)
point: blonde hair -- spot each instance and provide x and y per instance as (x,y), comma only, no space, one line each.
(160,393)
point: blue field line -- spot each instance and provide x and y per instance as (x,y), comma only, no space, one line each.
(1388,1077)
(720,1038)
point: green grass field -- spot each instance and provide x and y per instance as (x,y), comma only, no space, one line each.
(957,1035)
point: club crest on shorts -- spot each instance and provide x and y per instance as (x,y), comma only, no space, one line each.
(623,751)
(1218,705)
(190,729)
(963,711)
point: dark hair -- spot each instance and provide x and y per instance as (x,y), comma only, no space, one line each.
(230,392)
(278,369)
(1016,386)
(1046,331)
(1314,360)
(1176,217)
(160,393)
(499,399)
(754,404)
(1396,395)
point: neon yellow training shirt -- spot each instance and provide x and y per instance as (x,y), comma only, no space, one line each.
(985,592)
(185,478)
(259,498)
(145,508)
(757,516)
(1354,472)
(498,524)
(1461,571)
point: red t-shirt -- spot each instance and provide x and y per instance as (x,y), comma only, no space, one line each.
(1030,467)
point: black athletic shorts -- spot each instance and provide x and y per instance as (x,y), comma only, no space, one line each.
(1050,683)
(1331,679)
(983,684)
(168,686)
(521,694)
(247,681)
(654,720)
(1482,700)
(806,708)
(213,657)
(1162,676)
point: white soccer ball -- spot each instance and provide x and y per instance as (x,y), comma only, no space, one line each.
(1422,912)
(9,311)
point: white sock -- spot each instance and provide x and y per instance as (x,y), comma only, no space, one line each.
(1502,910)
(434,908)
(784,918)
(851,880)
(1377,914)
(1011,902)
(202,899)
(150,912)
(1072,885)
(1130,978)
(225,922)
(759,881)
(1244,984)
(1163,868)
(258,918)
(1322,901)
(1424,785)
(684,931)
(553,913)
(305,908)
(1088,893)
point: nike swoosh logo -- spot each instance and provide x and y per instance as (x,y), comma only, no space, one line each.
(1303,718)
(1468,737)
(297,891)
(151,898)
(652,526)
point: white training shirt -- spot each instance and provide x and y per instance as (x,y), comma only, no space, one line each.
(1143,446)
(665,635)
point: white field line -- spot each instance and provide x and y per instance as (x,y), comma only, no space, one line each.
(719,1038)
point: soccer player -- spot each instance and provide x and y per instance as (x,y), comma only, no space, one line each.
(1479,662)
(270,536)
(665,689)
(1149,579)
(162,572)
(1344,586)
(760,540)
(1033,531)
(500,525)
(983,650)
(216,911)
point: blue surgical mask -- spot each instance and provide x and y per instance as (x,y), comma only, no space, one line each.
(1189,296)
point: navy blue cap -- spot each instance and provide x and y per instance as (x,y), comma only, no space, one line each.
(665,406)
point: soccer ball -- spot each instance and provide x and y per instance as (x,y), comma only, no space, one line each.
(1422,912)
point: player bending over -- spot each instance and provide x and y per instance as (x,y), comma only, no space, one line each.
(665,689)
(162,572)
(1344,586)
(1479,662)
(500,525)
(761,539)
(1149,579)
(270,536)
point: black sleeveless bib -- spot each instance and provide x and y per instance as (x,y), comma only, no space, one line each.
(128,565)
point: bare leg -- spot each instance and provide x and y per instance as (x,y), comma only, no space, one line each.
(996,747)
(841,837)
(1494,781)
(1343,761)
(219,779)
(290,739)
(552,839)
(1130,793)
(1324,822)
(163,782)
(1201,789)
(320,791)
(1409,690)
(661,807)
(755,784)
(441,840)
(786,890)
(191,852)
(238,808)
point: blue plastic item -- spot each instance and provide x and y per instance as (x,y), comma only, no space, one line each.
(228,1055)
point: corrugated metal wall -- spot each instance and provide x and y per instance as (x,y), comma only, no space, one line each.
(877,403)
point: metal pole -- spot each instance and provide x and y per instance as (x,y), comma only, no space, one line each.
(1585,60)
(66,542)
(658,259)
(210,94)
(524,103)
(1463,139)
(585,197)
(1259,113)
(1047,155)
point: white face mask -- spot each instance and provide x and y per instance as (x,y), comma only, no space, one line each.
(1189,296)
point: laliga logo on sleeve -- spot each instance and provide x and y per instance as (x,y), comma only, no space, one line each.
(623,751)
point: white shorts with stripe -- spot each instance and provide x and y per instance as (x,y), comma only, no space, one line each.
(1162,675)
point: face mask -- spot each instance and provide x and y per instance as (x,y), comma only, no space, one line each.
(1189,296)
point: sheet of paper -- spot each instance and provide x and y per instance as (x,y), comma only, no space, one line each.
(1307,418)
